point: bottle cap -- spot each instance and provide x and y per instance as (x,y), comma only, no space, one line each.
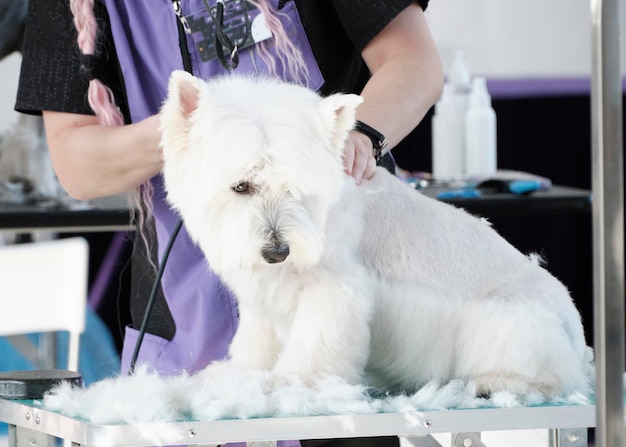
(459,73)
(479,97)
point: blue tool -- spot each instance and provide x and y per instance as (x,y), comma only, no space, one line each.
(463,193)
(524,186)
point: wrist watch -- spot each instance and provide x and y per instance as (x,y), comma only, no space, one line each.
(378,139)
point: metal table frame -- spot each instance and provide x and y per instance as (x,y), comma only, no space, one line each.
(32,426)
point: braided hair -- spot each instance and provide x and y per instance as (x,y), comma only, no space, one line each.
(99,96)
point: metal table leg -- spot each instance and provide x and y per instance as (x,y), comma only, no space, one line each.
(608,222)
(26,437)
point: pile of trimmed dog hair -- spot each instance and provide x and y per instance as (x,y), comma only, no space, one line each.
(221,393)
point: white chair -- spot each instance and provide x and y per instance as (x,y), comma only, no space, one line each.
(43,288)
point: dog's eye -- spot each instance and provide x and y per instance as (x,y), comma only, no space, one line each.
(242,188)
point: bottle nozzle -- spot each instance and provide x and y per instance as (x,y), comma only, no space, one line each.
(459,73)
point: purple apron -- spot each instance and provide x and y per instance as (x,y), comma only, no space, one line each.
(147,43)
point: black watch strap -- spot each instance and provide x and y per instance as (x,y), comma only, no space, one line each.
(378,139)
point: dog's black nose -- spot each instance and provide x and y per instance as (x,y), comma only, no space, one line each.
(275,255)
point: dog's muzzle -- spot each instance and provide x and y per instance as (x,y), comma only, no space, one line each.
(275,254)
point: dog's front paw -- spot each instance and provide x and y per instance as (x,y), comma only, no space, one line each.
(277,381)
(226,374)
(298,395)
(225,391)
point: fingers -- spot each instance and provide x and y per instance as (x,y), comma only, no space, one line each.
(358,160)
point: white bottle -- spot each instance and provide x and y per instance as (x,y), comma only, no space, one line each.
(480,131)
(459,75)
(448,135)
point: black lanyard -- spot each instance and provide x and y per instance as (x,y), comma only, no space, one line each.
(224,46)
(226,51)
(183,28)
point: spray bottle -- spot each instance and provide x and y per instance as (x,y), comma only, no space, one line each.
(448,130)
(448,123)
(480,131)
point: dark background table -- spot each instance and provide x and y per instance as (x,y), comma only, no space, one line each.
(559,200)
(100,215)
(113,213)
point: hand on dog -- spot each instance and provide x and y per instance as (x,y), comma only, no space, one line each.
(358,160)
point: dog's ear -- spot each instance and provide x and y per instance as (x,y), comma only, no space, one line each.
(339,110)
(183,97)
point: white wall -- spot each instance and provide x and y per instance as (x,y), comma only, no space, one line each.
(9,73)
(509,38)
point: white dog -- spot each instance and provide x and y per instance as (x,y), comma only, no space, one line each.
(375,283)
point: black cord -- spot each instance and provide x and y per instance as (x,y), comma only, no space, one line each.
(153,292)
(222,41)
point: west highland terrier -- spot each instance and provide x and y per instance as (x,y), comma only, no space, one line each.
(374,283)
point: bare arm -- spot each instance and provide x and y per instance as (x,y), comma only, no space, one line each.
(407,79)
(95,161)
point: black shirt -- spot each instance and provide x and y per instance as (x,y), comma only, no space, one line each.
(50,78)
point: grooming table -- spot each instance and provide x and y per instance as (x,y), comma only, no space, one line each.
(32,426)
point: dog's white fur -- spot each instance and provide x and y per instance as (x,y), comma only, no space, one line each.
(381,285)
